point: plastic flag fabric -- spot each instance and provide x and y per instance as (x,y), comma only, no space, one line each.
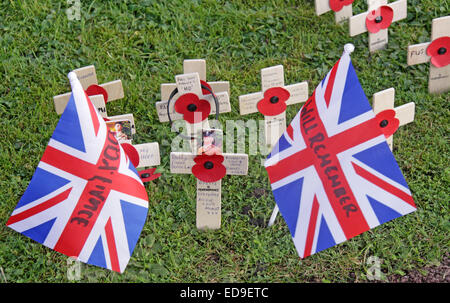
(85,199)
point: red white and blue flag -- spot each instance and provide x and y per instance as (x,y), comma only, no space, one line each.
(85,199)
(332,173)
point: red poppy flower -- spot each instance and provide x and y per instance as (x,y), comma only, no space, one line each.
(387,122)
(132,153)
(337,5)
(205,91)
(274,102)
(379,18)
(439,51)
(95,89)
(192,108)
(148,174)
(209,168)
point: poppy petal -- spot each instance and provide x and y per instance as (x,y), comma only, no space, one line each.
(205,91)
(95,89)
(439,51)
(192,108)
(274,101)
(132,153)
(380,18)
(387,122)
(337,5)
(148,175)
(209,168)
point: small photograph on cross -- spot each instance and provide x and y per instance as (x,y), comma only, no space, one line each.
(211,143)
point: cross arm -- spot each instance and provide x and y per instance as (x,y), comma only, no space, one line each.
(182,162)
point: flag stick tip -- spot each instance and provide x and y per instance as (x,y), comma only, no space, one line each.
(349,48)
(72,76)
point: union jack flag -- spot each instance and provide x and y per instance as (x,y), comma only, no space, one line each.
(85,199)
(332,173)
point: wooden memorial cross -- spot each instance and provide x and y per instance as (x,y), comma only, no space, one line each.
(272,101)
(196,66)
(437,52)
(209,171)
(188,102)
(97,93)
(376,21)
(342,8)
(384,100)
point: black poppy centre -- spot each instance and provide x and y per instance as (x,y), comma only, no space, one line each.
(384,123)
(442,50)
(274,99)
(192,107)
(378,19)
(208,165)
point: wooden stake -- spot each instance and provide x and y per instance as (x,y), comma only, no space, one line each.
(384,100)
(323,6)
(439,78)
(208,193)
(88,77)
(274,125)
(377,40)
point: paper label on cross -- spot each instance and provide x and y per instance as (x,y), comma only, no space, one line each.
(208,193)
(384,100)
(379,39)
(88,77)
(323,6)
(439,78)
(273,77)
(148,154)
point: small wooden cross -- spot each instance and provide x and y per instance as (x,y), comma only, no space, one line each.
(190,83)
(273,77)
(208,193)
(195,66)
(439,79)
(344,13)
(384,100)
(88,79)
(378,36)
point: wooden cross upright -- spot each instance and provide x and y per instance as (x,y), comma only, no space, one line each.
(96,92)
(275,123)
(342,8)
(439,79)
(191,82)
(208,193)
(384,100)
(377,20)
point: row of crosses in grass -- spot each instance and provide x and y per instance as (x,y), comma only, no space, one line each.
(377,20)
(194,100)
(123,126)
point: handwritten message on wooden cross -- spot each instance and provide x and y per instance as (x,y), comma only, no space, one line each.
(272,101)
(342,8)
(438,53)
(209,170)
(191,103)
(99,94)
(376,21)
(384,101)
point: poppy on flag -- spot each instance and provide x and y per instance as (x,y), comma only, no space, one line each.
(85,199)
(332,173)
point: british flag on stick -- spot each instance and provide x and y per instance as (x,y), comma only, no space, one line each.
(332,173)
(85,199)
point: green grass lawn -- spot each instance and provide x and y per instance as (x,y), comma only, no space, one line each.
(144,43)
